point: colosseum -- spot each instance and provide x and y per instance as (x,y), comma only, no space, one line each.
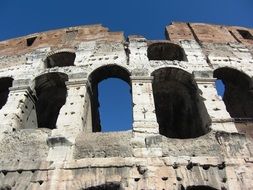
(184,136)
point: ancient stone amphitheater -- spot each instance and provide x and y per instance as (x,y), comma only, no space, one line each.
(184,135)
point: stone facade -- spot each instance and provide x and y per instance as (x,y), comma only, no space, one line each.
(184,136)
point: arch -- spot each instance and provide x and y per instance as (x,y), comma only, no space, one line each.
(165,51)
(238,94)
(180,110)
(98,75)
(51,95)
(109,71)
(5,84)
(60,59)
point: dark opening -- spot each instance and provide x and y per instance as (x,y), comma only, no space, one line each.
(245,34)
(107,186)
(238,95)
(200,187)
(51,94)
(180,111)
(165,51)
(29,41)
(61,59)
(115,95)
(71,31)
(5,84)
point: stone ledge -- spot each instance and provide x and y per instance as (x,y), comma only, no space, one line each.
(26,165)
(162,161)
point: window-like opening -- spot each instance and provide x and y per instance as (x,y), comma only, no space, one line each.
(115,105)
(107,186)
(200,187)
(71,31)
(5,84)
(165,51)
(29,41)
(117,91)
(238,95)
(51,94)
(180,110)
(245,34)
(61,59)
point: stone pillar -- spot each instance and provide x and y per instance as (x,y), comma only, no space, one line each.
(221,120)
(74,117)
(19,110)
(144,117)
(75,114)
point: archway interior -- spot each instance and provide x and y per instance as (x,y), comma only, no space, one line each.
(180,110)
(112,89)
(51,94)
(238,95)
(165,51)
(115,105)
(5,84)
(61,59)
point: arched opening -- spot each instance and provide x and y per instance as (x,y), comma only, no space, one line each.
(200,187)
(61,59)
(5,84)
(118,83)
(51,95)
(165,51)
(180,110)
(238,94)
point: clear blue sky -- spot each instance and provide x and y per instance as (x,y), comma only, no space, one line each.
(144,17)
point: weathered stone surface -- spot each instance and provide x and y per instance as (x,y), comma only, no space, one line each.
(184,135)
(103,145)
(24,144)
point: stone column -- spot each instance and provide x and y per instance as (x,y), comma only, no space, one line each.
(75,114)
(74,117)
(221,120)
(144,117)
(19,110)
